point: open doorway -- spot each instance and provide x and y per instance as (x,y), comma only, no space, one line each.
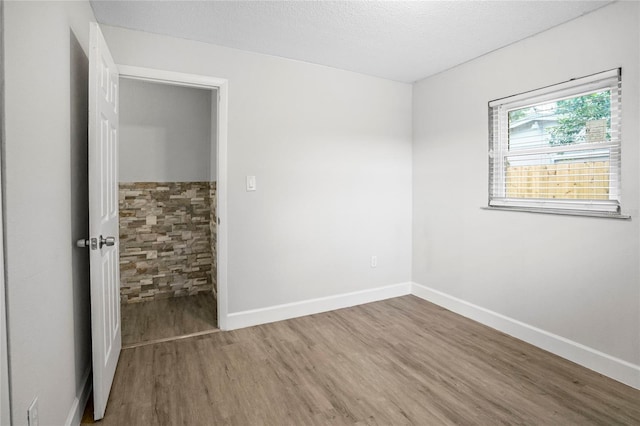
(167,203)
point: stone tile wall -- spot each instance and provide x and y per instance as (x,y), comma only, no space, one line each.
(165,239)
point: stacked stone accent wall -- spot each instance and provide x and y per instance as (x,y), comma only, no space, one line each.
(165,239)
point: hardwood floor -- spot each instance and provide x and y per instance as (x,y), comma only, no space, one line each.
(399,361)
(166,318)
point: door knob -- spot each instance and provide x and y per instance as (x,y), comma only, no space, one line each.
(93,242)
(89,242)
(109,241)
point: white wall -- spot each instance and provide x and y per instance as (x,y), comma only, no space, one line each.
(46,47)
(332,154)
(165,133)
(575,277)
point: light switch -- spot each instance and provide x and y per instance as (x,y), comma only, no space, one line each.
(251,183)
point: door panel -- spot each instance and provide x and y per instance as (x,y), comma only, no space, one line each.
(103,218)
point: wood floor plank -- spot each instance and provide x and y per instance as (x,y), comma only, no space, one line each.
(399,361)
(166,318)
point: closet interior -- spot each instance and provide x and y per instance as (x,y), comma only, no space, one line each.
(167,200)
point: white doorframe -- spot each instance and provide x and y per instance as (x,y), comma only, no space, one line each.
(221,85)
(5,396)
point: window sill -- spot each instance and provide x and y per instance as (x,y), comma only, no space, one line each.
(561,212)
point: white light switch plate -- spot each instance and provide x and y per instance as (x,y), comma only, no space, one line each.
(251,183)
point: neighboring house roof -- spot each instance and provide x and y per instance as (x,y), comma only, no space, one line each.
(526,122)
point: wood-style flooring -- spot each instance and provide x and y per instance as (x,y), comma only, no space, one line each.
(166,318)
(396,362)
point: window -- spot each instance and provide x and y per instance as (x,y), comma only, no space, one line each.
(557,149)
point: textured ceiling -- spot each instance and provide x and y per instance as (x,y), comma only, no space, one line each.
(402,41)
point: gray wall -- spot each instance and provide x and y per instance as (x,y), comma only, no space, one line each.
(576,277)
(331,151)
(46,50)
(164,133)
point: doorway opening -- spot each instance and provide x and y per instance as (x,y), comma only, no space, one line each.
(168,210)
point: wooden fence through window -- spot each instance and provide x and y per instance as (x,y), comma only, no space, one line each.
(586,180)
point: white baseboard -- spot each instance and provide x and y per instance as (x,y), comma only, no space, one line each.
(308,307)
(593,359)
(80,402)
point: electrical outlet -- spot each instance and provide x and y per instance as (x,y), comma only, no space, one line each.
(32,413)
(374,261)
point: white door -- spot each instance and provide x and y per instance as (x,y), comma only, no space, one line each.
(103,218)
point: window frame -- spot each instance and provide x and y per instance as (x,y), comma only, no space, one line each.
(499,147)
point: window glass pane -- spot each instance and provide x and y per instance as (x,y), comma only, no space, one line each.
(580,174)
(572,121)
